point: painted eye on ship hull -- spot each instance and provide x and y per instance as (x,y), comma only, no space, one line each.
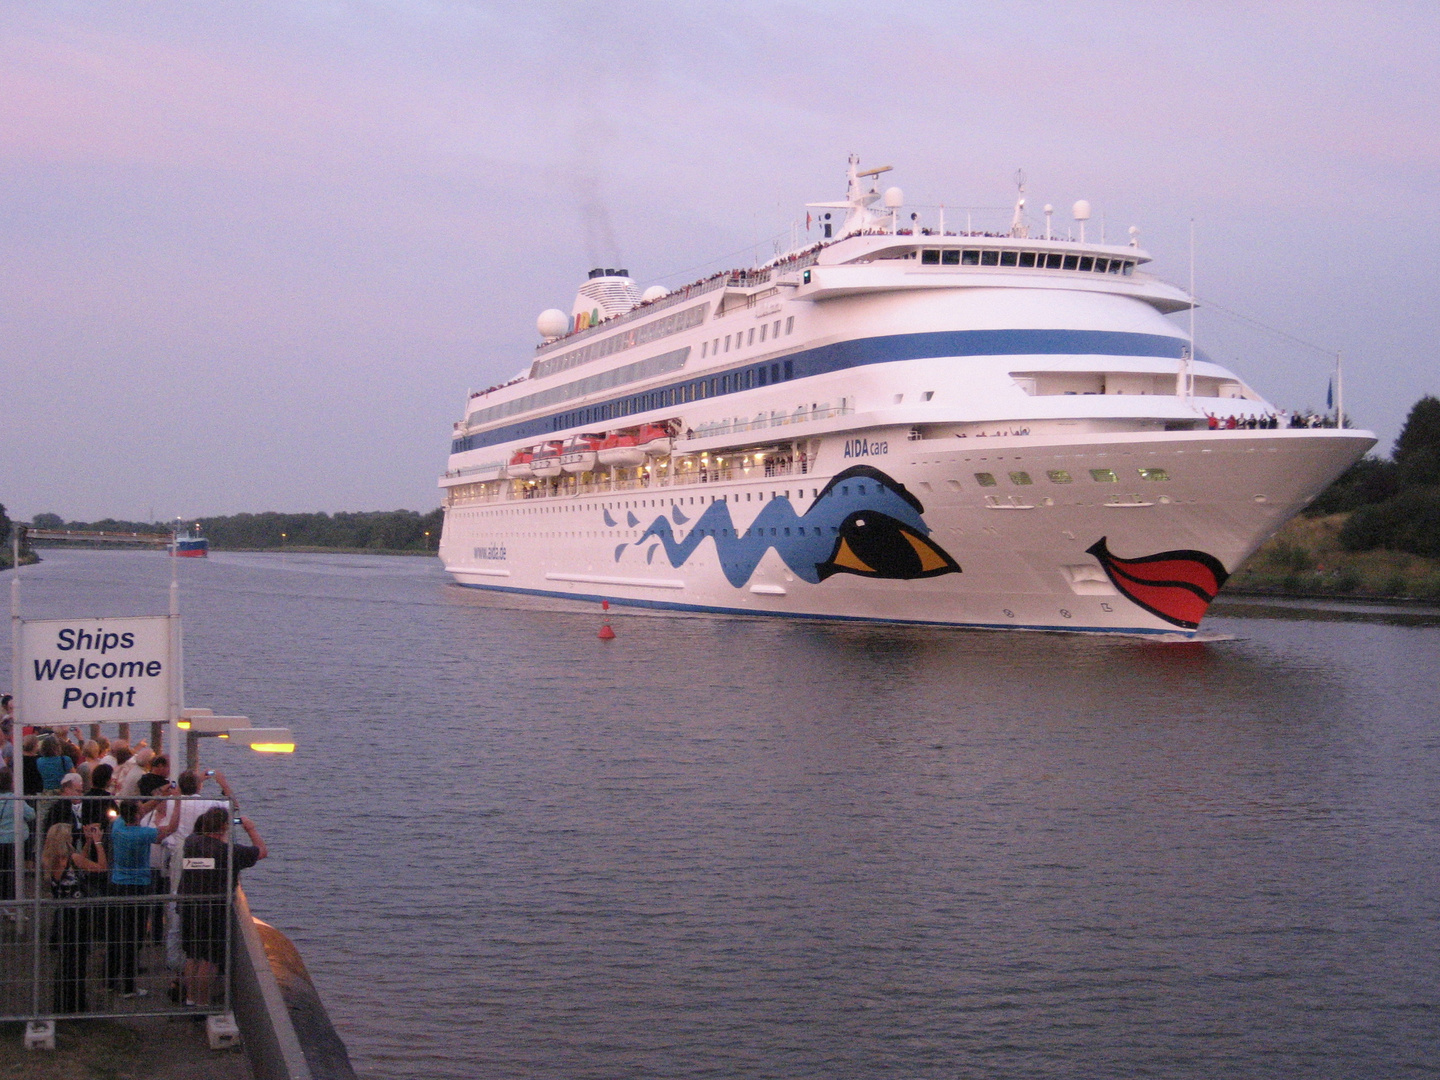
(876,545)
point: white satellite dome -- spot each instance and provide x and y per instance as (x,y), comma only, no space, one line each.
(1081,210)
(894,198)
(654,292)
(552,323)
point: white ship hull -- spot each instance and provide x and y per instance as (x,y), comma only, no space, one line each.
(881,431)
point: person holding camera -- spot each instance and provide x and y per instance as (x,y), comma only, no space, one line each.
(210,869)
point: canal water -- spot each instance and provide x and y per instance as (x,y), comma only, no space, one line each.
(758,848)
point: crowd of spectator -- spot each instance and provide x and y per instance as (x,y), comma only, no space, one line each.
(103,819)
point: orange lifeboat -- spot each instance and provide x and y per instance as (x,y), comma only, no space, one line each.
(655,440)
(519,464)
(579,454)
(546,461)
(620,449)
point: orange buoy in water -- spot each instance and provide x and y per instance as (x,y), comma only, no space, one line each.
(606,634)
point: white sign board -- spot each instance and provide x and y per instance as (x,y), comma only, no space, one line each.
(95,671)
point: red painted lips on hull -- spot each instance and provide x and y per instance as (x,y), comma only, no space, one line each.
(1175,585)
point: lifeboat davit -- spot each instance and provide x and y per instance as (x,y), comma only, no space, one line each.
(546,461)
(519,464)
(655,440)
(619,449)
(579,454)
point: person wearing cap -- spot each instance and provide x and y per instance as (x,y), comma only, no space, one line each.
(67,808)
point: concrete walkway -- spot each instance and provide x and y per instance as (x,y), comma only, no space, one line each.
(143,1048)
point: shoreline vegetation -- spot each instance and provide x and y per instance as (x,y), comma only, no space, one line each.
(1374,534)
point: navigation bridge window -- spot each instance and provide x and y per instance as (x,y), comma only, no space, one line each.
(1025,260)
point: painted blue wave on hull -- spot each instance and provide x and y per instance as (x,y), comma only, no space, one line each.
(812,534)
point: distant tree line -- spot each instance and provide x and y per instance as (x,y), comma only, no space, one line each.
(372,530)
(1393,502)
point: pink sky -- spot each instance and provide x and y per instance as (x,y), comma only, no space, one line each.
(254,254)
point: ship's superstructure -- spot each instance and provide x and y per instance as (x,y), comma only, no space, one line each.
(898,424)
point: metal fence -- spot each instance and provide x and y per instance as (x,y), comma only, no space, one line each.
(133,939)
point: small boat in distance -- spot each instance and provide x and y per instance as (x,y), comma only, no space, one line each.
(188,545)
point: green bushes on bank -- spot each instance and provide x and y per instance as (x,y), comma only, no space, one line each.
(1394,504)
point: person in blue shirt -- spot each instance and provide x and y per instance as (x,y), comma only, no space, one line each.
(7,837)
(130,876)
(53,764)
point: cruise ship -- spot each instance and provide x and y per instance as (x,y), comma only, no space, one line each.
(898,423)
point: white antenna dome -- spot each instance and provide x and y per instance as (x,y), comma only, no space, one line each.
(1049,209)
(654,292)
(894,198)
(552,323)
(1081,210)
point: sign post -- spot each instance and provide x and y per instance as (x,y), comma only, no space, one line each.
(90,671)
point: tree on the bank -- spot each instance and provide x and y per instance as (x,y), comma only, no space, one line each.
(1406,514)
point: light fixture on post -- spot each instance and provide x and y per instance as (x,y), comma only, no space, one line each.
(265,740)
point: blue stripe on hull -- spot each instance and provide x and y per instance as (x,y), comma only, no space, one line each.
(662,605)
(841,356)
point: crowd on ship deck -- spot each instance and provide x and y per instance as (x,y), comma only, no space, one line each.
(140,866)
(1269,420)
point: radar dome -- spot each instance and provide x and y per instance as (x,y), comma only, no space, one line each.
(552,323)
(1081,210)
(894,197)
(654,292)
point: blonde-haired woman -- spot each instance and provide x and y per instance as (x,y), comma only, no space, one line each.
(63,864)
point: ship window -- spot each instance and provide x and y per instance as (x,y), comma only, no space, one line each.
(1021,478)
(1115,265)
(775,329)
(1100,265)
(930,257)
(1104,476)
(727,342)
(1154,474)
(763,328)
(969,258)
(1087,263)
(750,378)
(789,324)
(1129,266)
(1007,258)
(704,349)
(760,376)
(774,373)
(1027,258)
(990,258)
(1053,260)
(789,369)
(1058,476)
(750,340)
(985,479)
(1070,262)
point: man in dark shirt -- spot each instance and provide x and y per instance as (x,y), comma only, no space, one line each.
(210,868)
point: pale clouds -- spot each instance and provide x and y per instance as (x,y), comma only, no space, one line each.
(254,252)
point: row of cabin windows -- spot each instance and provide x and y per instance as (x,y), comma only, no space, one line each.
(1061,476)
(1035,260)
(743,339)
(696,390)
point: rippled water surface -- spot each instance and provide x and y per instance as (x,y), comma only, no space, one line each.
(756,848)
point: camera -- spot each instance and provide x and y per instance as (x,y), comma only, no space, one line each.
(209,772)
(236,819)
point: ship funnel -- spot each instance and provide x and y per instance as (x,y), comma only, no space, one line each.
(605,294)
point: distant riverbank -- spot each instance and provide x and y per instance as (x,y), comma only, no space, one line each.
(1305,559)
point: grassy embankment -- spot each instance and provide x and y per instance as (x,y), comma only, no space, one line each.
(1305,559)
